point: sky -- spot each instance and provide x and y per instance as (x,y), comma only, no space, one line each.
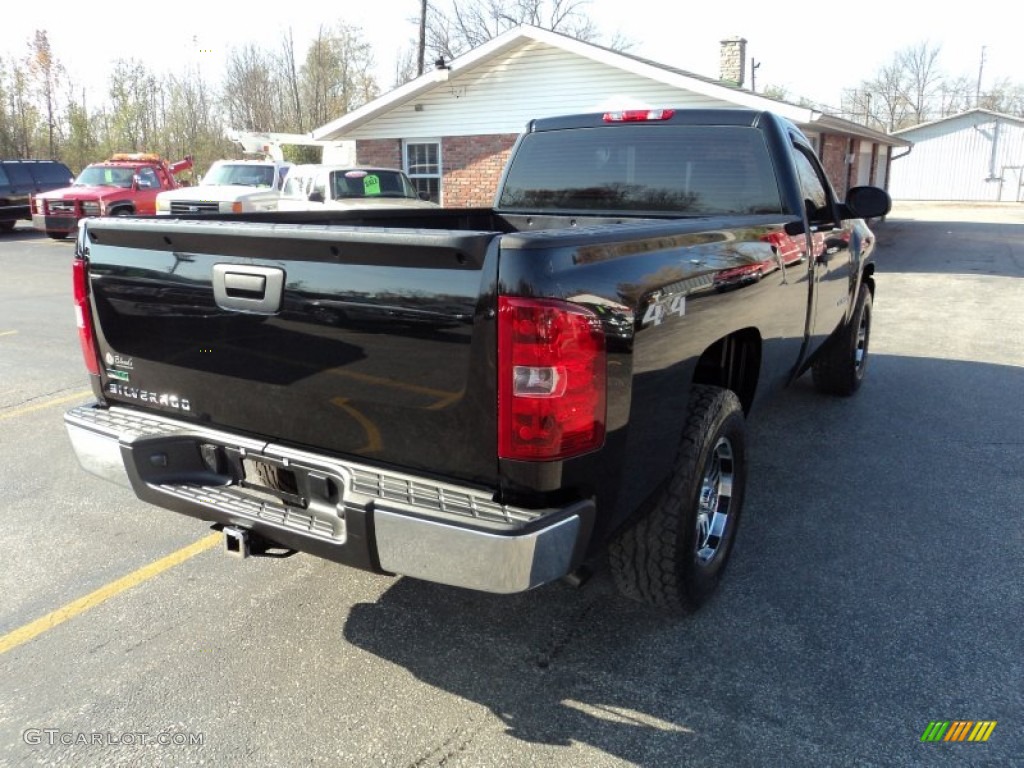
(811,50)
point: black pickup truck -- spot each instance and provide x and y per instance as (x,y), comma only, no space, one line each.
(491,398)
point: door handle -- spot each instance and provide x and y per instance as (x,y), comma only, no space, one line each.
(241,288)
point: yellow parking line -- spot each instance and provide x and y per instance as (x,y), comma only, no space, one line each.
(49,621)
(7,333)
(373,439)
(44,404)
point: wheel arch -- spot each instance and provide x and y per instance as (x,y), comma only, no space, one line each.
(868,277)
(733,362)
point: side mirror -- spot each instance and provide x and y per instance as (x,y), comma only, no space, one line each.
(316,197)
(866,203)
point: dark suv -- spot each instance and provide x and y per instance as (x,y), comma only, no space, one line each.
(21,178)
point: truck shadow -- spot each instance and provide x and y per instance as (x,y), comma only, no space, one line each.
(852,605)
(24,232)
(549,664)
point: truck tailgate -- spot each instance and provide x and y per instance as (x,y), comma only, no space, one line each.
(357,340)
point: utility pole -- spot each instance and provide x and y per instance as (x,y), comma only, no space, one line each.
(423,37)
(981,68)
(753,74)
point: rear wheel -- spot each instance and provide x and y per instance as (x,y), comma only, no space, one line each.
(7,225)
(674,555)
(842,364)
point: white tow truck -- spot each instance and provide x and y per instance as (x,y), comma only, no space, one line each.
(240,186)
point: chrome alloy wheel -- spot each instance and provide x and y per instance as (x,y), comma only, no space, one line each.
(860,352)
(715,501)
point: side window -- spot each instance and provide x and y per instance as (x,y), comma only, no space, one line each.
(3,177)
(19,175)
(51,173)
(812,183)
(292,186)
(320,186)
(147,179)
(423,165)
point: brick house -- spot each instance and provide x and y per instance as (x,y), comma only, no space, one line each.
(452,128)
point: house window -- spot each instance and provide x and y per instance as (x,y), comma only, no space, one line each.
(423,165)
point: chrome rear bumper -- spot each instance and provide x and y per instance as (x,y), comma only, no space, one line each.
(350,513)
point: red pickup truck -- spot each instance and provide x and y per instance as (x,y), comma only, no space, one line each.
(124,185)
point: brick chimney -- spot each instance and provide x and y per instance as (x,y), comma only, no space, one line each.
(733,61)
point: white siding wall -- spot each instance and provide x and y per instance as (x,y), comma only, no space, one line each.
(960,159)
(864,164)
(539,81)
(880,166)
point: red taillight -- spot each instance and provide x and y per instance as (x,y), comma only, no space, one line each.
(638,115)
(83,317)
(551,379)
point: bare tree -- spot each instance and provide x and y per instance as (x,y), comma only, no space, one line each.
(406,66)
(911,89)
(23,117)
(955,95)
(920,76)
(337,76)
(132,123)
(81,145)
(292,87)
(250,90)
(193,124)
(887,91)
(7,143)
(1004,96)
(46,73)
(471,23)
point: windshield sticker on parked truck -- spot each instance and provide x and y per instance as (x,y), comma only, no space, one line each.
(371,185)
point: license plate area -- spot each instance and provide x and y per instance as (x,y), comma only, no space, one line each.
(263,476)
(294,483)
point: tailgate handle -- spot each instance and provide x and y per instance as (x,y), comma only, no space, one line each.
(245,286)
(242,288)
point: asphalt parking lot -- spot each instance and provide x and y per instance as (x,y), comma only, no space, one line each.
(876,586)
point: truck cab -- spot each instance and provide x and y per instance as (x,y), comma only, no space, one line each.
(230,186)
(124,185)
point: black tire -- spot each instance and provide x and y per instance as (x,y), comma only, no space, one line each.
(56,235)
(122,212)
(842,364)
(7,225)
(675,553)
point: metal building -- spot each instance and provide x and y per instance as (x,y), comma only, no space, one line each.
(977,155)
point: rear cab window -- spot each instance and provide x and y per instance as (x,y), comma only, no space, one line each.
(52,173)
(671,169)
